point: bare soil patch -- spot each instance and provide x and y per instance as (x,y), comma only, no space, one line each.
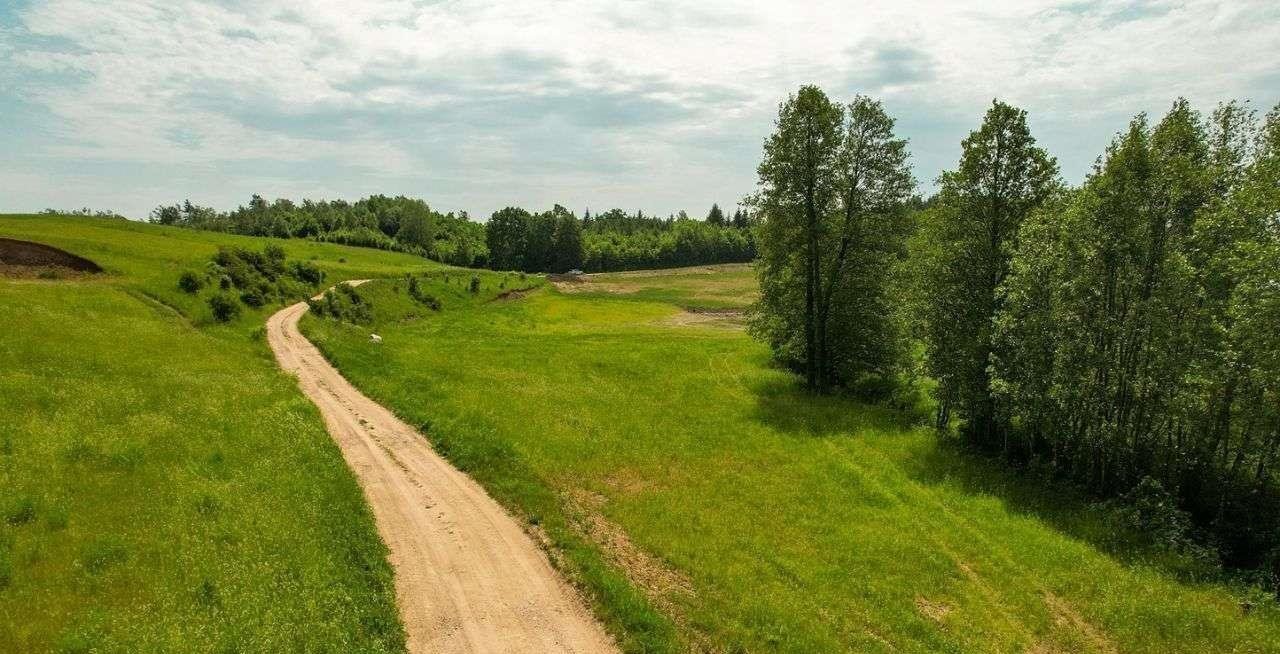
(689,270)
(658,580)
(513,294)
(29,259)
(935,611)
(722,318)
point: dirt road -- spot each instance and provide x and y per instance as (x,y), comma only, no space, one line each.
(468,579)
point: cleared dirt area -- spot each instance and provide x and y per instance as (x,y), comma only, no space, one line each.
(468,578)
(29,259)
(724,319)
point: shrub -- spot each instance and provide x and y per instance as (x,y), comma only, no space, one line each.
(316,307)
(415,292)
(475,284)
(254,297)
(1152,512)
(306,273)
(260,277)
(190,282)
(225,307)
(343,302)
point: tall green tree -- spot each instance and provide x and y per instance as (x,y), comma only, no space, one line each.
(797,180)
(567,241)
(505,235)
(1129,344)
(1001,178)
(715,216)
(416,228)
(833,186)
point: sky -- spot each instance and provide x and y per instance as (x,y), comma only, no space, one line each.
(657,106)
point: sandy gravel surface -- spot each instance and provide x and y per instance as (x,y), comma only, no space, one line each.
(468,578)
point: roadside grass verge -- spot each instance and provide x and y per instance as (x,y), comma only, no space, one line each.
(754,517)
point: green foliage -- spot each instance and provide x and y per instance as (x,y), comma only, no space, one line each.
(715,216)
(616,241)
(1153,512)
(1131,345)
(420,296)
(344,303)
(389,223)
(505,235)
(190,282)
(224,306)
(262,279)
(307,273)
(970,235)
(475,285)
(557,242)
(834,182)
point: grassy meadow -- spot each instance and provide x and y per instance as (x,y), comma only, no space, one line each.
(163,486)
(708,504)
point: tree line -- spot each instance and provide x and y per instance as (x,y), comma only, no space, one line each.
(1124,334)
(553,241)
(389,223)
(556,241)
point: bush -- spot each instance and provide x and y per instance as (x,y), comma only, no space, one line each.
(1152,512)
(225,307)
(343,302)
(419,296)
(255,297)
(307,273)
(475,284)
(190,282)
(316,307)
(260,277)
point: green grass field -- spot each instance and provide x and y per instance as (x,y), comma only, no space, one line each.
(749,516)
(724,286)
(163,486)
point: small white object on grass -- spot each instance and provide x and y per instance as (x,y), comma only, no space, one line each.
(375,338)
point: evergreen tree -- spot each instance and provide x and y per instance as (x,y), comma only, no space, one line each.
(715,216)
(567,242)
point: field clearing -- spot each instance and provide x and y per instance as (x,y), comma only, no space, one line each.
(720,287)
(165,486)
(752,516)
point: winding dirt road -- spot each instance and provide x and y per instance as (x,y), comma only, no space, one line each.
(468,579)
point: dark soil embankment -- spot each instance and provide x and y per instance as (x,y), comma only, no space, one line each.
(27,259)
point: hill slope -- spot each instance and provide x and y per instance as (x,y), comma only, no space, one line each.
(165,486)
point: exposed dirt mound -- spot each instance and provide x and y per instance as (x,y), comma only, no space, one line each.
(27,259)
(513,294)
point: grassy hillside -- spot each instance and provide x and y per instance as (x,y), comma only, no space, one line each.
(754,517)
(165,487)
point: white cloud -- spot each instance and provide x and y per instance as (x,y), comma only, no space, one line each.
(479,104)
